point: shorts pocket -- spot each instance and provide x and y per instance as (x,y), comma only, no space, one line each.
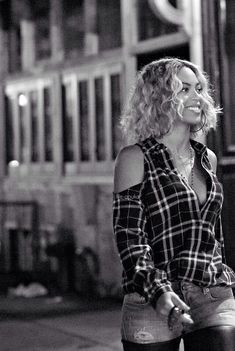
(221,293)
(195,298)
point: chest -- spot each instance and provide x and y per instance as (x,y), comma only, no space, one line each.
(194,175)
(168,193)
(200,182)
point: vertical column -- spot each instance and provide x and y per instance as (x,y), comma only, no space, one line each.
(27,32)
(129,37)
(212,51)
(193,16)
(56,30)
(4,66)
(28,44)
(2,132)
(91,35)
(57,125)
(196,50)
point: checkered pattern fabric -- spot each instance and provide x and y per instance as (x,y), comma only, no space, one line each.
(162,232)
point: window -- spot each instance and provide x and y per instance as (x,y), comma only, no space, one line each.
(87,120)
(73,26)
(20,250)
(230,53)
(22,115)
(29,137)
(41,11)
(84,122)
(18,239)
(149,26)
(68,122)
(108,23)
(99,118)
(9,103)
(100,19)
(15,43)
(92,99)
(47,114)
(33,100)
(116,103)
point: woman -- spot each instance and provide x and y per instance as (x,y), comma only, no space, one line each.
(167,224)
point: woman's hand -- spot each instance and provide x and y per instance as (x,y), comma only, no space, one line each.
(167,301)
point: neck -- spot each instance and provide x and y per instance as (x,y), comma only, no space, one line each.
(178,140)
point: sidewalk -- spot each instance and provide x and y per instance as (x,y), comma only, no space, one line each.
(70,324)
(67,326)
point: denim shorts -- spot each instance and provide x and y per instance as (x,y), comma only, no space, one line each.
(209,307)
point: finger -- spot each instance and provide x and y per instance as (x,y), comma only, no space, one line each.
(186,319)
(165,309)
(179,303)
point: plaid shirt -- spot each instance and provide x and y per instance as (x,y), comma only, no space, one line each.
(162,232)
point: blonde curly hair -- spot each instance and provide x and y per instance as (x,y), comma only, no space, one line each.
(153,104)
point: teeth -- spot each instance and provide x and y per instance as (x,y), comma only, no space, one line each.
(194,109)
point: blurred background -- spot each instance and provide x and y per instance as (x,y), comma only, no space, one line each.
(66,67)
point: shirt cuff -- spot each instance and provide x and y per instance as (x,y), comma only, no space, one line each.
(163,289)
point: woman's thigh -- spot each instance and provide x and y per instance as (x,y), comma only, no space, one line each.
(210,307)
(220,338)
(213,313)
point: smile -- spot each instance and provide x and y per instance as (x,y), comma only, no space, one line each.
(195,109)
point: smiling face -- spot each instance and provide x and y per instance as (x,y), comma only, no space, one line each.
(190,96)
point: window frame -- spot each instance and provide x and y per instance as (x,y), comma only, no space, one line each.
(89,73)
(26,86)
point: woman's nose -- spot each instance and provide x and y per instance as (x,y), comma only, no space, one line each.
(196,96)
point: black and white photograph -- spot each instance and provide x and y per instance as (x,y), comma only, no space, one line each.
(117,175)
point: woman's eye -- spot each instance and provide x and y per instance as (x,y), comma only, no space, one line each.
(184,89)
(199,90)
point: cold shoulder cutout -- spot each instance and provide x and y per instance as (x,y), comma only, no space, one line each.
(129,168)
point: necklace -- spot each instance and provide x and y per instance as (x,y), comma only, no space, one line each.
(185,165)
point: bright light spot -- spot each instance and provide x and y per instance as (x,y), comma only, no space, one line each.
(22,100)
(14,163)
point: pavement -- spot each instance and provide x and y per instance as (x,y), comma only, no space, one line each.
(61,324)
(67,323)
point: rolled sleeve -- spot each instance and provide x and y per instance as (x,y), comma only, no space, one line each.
(131,235)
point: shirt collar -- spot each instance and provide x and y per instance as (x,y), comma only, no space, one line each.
(198,147)
(161,151)
(154,145)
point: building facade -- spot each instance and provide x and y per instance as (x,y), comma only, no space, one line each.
(66,69)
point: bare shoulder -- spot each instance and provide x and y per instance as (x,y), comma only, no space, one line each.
(129,168)
(213,159)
